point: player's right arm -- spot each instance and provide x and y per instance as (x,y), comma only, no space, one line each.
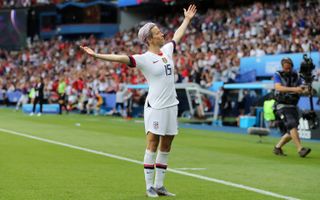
(108,57)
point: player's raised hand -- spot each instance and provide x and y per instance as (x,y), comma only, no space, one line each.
(190,12)
(88,50)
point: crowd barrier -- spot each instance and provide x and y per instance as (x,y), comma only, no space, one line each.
(13,97)
(47,108)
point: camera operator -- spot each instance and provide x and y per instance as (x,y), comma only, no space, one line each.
(288,86)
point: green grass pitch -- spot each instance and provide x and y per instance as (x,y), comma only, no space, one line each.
(36,170)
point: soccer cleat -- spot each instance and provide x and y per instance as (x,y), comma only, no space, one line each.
(39,114)
(304,152)
(151,192)
(31,114)
(278,152)
(162,191)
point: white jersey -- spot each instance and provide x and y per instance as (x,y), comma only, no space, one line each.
(159,72)
(120,96)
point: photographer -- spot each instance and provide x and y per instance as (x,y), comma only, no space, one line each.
(288,86)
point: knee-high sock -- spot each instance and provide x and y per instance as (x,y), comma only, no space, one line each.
(161,168)
(149,168)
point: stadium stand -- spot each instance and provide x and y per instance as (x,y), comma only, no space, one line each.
(210,52)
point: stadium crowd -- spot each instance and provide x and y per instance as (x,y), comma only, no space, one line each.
(26,3)
(210,51)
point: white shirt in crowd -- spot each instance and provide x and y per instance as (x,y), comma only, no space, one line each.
(120,96)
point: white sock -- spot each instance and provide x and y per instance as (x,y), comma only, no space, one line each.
(149,168)
(161,168)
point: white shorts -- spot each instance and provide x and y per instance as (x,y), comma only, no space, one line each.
(162,121)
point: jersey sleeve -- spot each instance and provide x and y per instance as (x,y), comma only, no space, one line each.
(169,48)
(136,61)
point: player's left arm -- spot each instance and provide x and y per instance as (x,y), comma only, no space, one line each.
(188,15)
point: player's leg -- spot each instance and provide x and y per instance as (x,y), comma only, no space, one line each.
(164,150)
(162,164)
(149,161)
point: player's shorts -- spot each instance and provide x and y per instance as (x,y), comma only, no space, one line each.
(288,119)
(161,121)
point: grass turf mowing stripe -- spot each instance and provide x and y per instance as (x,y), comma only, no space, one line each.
(264,192)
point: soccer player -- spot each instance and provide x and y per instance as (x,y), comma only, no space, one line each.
(161,110)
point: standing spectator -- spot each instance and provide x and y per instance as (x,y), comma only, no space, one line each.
(129,104)
(120,99)
(39,94)
(62,96)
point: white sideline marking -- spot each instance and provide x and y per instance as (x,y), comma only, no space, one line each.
(139,162)
(192,169)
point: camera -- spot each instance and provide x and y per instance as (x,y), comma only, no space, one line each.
(306,69)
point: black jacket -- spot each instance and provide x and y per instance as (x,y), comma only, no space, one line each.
(39,90)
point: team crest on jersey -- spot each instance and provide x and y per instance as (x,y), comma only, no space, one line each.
(164,60)
(155,125)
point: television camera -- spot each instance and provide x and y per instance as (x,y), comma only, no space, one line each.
(306,69)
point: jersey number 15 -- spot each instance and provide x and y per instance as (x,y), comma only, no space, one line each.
(168,69)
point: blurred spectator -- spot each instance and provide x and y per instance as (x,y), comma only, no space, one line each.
(23,88)
(62,96)
(39,95)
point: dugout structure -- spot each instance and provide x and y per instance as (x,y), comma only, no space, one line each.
(190,96)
